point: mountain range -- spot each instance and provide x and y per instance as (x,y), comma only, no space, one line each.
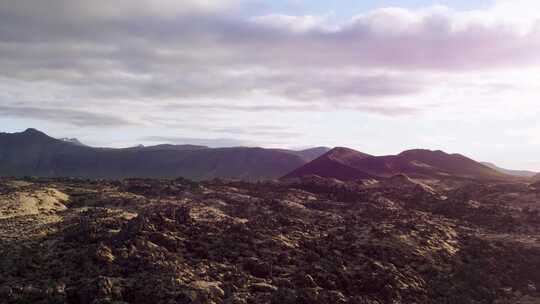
(34,153)
(347,164)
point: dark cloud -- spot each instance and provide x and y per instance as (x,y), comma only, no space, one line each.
(66,116)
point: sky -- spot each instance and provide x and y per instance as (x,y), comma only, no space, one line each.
(377,76)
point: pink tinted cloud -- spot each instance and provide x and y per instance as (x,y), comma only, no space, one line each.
(435,39)
(198,57)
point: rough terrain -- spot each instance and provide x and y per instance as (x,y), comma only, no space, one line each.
(309,240)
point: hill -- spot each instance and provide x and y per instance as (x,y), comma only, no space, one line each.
(348,164)
(339,163)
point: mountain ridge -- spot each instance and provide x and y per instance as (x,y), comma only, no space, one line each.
(35,153)
(348,164)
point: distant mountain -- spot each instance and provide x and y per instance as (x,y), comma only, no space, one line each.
(348,164)
(169,147)
(74,141)
(309,154)
(518,173)
(33,153)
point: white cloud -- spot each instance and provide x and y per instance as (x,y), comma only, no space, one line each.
(522,12)
(293,23)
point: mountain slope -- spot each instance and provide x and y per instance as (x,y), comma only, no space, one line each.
(438,163)
(312,153)
(34,153)
(347,164)
(518,173)
(337,163)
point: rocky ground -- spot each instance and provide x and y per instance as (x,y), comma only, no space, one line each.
(311,240)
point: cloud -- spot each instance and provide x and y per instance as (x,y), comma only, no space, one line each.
(237,130)
(387,110)
(369,107)
(209,142)
(264,131)
(66,116)
(297,24)
(117,9)
(242,108)
(210,56)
